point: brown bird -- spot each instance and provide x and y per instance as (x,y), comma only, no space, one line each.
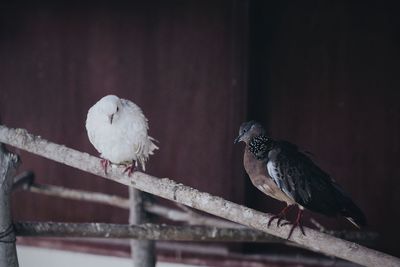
(281,171)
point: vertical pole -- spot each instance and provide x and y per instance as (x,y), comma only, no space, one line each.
(8,166)
(142,251)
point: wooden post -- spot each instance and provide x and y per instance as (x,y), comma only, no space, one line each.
(8,165)
(142,251)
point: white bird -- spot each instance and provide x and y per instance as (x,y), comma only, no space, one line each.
(118,129)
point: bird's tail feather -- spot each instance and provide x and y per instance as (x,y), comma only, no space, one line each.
(152,145)
(354,214)
(350,210)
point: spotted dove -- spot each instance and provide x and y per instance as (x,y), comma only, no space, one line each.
(281,171)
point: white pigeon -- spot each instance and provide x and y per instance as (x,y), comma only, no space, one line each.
(117,128)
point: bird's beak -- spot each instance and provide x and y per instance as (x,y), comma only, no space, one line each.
(238,139)
(110,118)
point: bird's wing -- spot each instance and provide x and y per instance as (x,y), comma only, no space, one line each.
(303,181)
(135,110)
(142,143)
(298,176)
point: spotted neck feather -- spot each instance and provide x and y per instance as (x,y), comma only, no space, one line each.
(259,146)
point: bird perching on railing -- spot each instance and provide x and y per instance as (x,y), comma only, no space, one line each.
(117,128)
(281,171)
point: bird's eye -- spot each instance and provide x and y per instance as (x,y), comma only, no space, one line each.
(117,109)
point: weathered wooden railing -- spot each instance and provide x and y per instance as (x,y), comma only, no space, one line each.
(168,189)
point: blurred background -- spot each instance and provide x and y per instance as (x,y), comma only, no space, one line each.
(321,74)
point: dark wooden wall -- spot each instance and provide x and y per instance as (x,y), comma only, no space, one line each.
(322,74)
(325,75)
(182,62)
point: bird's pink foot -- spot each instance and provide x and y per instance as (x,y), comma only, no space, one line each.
(280,216)
(131,168)
(105,163)
(297,223)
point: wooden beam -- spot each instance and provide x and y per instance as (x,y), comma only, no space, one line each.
(169,189)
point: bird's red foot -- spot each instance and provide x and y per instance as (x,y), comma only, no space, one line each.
(297,223)
(131,168)
(280,216)
(104,164)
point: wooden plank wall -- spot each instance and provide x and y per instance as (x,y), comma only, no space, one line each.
(325,75)
(182,62)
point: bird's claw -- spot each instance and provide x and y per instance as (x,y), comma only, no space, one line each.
(131,168)
(104,164)
(280,216)
(278,223)
(297,223)
(294,225)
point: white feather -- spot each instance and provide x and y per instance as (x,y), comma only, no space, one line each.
(271,167)
(272,172)
(125,139)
